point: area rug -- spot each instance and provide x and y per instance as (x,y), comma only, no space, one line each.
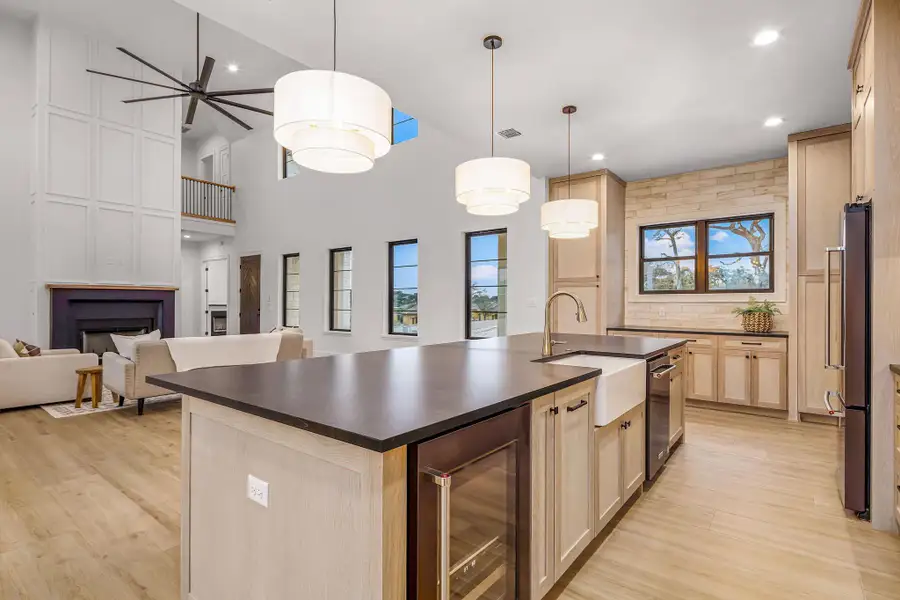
(67,409)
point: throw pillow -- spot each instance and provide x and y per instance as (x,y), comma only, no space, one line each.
(7,350)
(25,350)
(125,343)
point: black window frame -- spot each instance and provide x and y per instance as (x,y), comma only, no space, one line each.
(390,315)
(284,285)
(468,290)
(332,290)
(284,163)
(701,256)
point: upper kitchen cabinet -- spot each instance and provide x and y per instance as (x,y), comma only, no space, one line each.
(597,261)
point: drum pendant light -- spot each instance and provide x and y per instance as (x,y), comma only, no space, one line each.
(331,121)
(570,218)
(493,186)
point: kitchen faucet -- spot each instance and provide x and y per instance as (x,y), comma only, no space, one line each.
(580,315)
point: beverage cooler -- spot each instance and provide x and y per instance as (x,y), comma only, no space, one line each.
(470,512)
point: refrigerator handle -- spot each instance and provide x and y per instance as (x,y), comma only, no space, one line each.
(830,408)
(828,364)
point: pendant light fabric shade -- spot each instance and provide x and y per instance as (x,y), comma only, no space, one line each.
(331,121)
(569,219)
(493,186)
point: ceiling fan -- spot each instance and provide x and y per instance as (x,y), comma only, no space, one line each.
(196,89)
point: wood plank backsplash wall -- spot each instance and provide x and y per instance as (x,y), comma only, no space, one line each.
(722,192)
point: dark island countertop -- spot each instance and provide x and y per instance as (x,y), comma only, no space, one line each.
(679,331)
(389,398)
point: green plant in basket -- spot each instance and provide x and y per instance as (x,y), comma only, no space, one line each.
(758,317)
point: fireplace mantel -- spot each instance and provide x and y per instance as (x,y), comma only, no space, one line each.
(88,286)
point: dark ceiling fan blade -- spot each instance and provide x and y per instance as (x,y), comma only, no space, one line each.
(148,65)
(192,108)
(206,72)
(227,114)
(168,87)
(241,92)
(261,111)
(155,98)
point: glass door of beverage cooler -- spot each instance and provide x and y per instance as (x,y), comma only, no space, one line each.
(472,504)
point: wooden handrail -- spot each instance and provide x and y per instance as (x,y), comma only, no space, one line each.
(222,185)
(216,219)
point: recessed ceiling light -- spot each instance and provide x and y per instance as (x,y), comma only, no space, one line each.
(187,237)
(773,121)
(597,156)
(233,68)
(766,37)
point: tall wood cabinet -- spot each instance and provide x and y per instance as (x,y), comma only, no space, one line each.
(592,268)
(820,185)
(875,65)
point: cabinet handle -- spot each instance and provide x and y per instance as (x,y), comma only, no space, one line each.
(443,480)
(860,88)
(691,353)
(554,410)
(692,340)
(577,406)
(748,357)
(755,357)
(751,343)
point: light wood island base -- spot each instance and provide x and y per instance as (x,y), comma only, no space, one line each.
(335,526)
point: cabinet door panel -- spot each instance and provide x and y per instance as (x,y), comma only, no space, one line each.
(868,116)
(859,152)
(565,310)
(734,376)
(579,258)
(701,372)
(542,492)
(676,406)
(633,448)
(814,378)
(574,484)
(770,380)
(608,473)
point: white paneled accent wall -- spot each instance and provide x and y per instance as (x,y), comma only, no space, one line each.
(107,174)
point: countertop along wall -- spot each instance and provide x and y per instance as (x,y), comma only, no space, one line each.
(409,194)
(749,188)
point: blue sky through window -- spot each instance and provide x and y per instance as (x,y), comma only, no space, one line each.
(727,242)
(406,127)
(658,243)
(488,269)
(406,260)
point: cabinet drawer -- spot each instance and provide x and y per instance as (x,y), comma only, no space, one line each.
(753,343)
(694,340)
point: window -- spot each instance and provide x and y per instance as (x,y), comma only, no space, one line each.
(486,284)
(718,255)
(290,314)
(403,285)
(288,167)
(341,301)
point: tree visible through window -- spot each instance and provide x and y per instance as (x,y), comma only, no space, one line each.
(717,255)
(341,301)
(291,289)
(486,299)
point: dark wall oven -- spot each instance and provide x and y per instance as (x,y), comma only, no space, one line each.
(659,370)
(470,512)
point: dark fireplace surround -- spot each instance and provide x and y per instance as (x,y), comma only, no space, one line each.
(78,310)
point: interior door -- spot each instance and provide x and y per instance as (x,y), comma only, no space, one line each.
(251,267)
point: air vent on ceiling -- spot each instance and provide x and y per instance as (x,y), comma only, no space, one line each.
(509,133)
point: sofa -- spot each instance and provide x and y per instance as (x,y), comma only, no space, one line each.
(42,379)
(127,378)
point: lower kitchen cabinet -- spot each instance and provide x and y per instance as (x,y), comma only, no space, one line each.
(676,396)
(734,376)
(581,475)
(768,379)
(701,374)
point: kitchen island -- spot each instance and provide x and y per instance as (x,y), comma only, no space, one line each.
(298,477)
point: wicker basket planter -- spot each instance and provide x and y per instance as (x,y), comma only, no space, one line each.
(757,322)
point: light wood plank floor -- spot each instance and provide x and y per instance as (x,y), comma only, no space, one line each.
(747,508)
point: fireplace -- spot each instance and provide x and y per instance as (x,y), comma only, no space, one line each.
(83,317)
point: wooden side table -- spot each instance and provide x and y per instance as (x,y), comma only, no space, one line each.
(96,375)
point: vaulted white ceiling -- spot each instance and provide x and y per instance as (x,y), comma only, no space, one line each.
(662,86)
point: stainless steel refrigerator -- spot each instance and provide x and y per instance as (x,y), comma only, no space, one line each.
(854,355)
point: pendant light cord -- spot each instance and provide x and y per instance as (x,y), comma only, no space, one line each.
(569,143)
(334,35)
(492,101)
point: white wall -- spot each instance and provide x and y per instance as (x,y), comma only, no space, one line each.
(189,159)
(409,194)
(107,181)
(219,148)
(17,95)
(190,293)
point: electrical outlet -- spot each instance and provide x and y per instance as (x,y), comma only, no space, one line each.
(662,312)
(258,490)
